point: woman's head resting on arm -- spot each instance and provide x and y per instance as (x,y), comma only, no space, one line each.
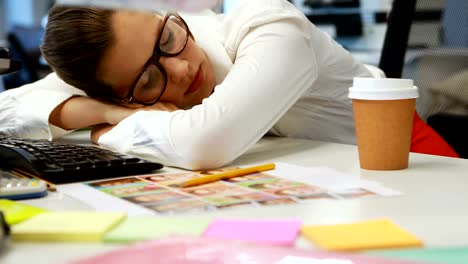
(128,57)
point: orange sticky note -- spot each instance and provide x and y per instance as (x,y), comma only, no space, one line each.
(371,234)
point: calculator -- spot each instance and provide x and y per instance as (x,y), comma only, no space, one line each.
(15,187)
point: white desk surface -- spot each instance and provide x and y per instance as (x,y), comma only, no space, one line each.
(434,204)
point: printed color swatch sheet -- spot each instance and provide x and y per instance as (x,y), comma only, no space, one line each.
(260,189)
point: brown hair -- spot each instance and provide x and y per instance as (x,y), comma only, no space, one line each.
(74,43)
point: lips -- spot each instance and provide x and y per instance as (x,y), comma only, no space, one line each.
(196,82)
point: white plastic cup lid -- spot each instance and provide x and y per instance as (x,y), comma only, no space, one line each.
(382,89)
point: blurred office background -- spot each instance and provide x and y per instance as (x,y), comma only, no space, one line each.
(359,25)
(436,57)
(21,30)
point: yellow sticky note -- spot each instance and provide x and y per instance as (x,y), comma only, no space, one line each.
(371,234)
(16,212)
(66,226)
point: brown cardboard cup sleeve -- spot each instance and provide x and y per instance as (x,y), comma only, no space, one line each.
(383,116)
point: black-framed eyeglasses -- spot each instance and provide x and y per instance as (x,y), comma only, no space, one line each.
(151,83)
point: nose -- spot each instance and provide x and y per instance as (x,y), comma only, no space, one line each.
(177,69)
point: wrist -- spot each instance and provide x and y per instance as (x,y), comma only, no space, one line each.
(113,114)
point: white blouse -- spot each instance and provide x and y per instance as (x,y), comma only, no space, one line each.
(275,72)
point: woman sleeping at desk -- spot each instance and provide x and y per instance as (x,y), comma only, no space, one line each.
(192,91)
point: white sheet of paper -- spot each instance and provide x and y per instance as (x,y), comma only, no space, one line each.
(324,177)
(101,201)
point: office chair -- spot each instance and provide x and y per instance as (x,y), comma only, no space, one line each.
(439,73)
(7,65)
(453,129)
(452,121)
(399,22)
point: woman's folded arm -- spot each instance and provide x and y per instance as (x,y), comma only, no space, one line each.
(25,111)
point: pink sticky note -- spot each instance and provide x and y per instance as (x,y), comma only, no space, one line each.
(270,232)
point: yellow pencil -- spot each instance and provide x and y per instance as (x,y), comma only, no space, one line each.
(224,175)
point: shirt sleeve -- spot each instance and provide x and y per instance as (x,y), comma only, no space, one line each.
(25,110)
(275,63)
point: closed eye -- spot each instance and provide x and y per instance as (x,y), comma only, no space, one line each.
(166,40)
(144,80)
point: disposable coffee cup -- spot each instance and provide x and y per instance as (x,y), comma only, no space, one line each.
(383,115)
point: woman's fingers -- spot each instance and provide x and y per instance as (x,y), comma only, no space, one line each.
(163,106)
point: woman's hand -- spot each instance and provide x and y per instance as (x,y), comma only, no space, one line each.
(98,131)
(120,112)
(115,115)
(161,106)
(82,111)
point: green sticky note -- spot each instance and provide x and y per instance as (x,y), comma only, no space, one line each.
(139,228)
(66,226)
(16,212)
(452,255)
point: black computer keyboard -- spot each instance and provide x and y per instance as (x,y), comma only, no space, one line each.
(64,162)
